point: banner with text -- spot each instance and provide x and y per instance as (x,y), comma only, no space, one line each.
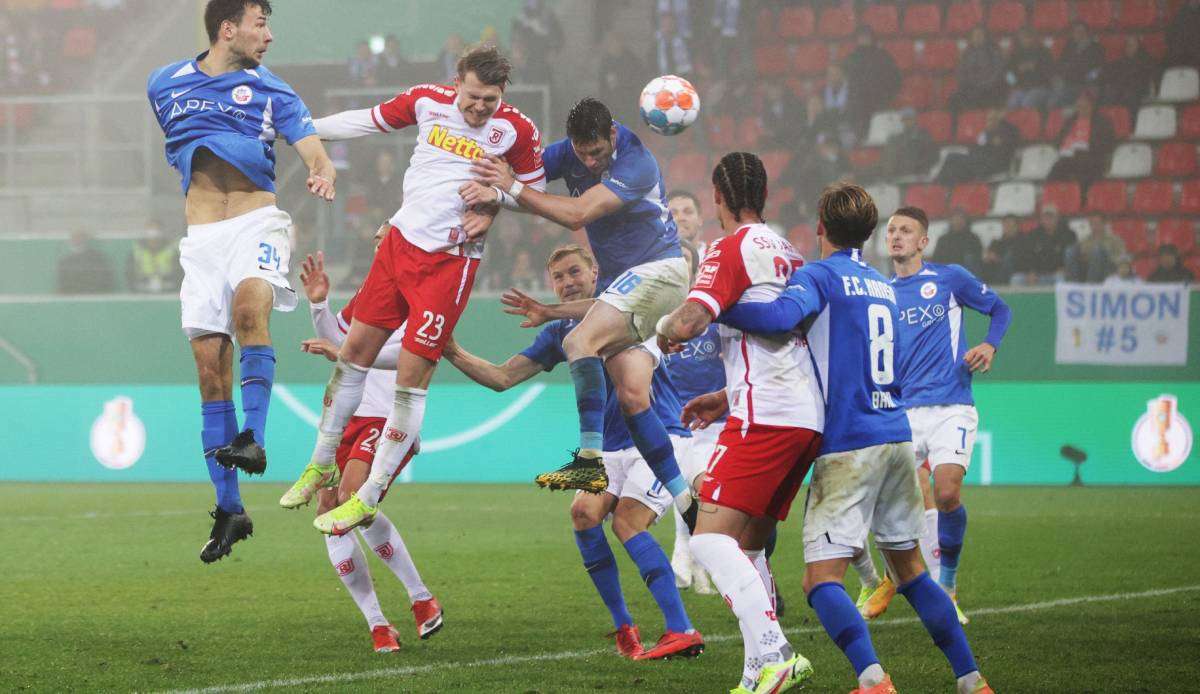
(1122,324)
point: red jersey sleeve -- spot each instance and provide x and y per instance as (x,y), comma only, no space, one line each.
(525,155)
(401,110)
(722,278)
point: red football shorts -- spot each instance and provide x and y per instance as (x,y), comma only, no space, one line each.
(407,283)
(359,441)
(759,471)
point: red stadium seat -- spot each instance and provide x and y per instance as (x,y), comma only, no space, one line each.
(1189,197)
(777,200)
(1114,46)
(943,88)
(1106,197)
(79,42)
(1189,122)
(939,125)
(938,54)
(1175,159)
(836,22)
(922,19)
(796,22)
(1028,121)
(970,124)
(749,130)
(1055,45)
(771,60)
(691,167)
(767,27)
(916,91)
(903,51)
(884,20)
(1054,124)
(931,198)
(1051,16)
(1155,45)
(1142,267)
(1063,195)
(1138,14)
(964,16)
(1005,17)
(1133,233)
(1096,14)
(722,132)
(973,198)
(864,157)
(1181,232)
(1118,117)
(804,238)
(1192,262)
(811,58)
(774,161)
(1150,197)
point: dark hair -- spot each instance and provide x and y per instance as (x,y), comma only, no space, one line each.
(694,263)
(218,11)
(848,215)
(741,179)
(914,213)
(589,121)
(684,194)
(488,63)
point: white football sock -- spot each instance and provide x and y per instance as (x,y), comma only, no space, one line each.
(929,544)
(399,434)
(967,682)
(864,565)
(872,676)
(752,664)
(385,541)
(681,556)
(738,580)
(759,559)
(343,395)
(351,566)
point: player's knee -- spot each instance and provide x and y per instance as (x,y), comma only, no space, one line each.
(249,322)
(632,400)
(579,344)
(584,517)
(947,497)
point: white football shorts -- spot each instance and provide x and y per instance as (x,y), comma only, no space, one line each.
(851,493)
(217,257)
(629,477)
(694,461)
(648,292)
(944,434)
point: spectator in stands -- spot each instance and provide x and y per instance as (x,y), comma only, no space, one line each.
(1182,30)
(778,115)
(990,155)
(617,64)
(1078,67)
(836,92)
(672,53)
(1127,80)
(12,67)
(873,78)
(1029,69)
(1124,272)
(1094,258)
(448,58)
(382,186)
(527,67)
(979,75)
(362,247)
(364,66)
(960,245)
(538,35)
(393,68)
(815,122)
(910,152)
(1169,268)
(1039,256)
(1084,144)
(726,18)
(997,259)
(810,174)
(524,276)
(153,264)
(85,269)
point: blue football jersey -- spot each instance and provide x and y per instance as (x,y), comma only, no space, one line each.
(698,368)
(643,230)
(236,116)
(547,350)
(931,338)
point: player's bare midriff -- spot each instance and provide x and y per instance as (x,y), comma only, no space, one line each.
(219,191)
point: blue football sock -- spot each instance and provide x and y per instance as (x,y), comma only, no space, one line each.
(216,432)
(937,613)
(653,442)
(601,565)
(258,373)
(952,527)
(590,394)
(656,571)
(769,547)
(844,624)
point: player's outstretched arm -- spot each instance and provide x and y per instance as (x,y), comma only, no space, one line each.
(778,316)
(703,410)
(572,213)
(536,313)
(499,377)
(690,320)
(321,173)
(346,125)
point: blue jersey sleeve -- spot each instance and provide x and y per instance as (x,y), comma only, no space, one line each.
(292,118)
(554,159)
(972,293)
(547,347)
(632,178)
(802,298)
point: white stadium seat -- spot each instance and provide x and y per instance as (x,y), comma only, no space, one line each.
(1131,160)
(886,197)
(883,125)
(937,230)
(1035,162)
(1018,198)
(1180,84)
(987,230)
(1155,123)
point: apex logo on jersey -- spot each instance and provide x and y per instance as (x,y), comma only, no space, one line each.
(458,145)
(394,434)
(242,95)
(1162,437)
(118,437)
(344,568)
(385,551)
(928,290)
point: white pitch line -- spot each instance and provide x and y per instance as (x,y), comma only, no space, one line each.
(567,655)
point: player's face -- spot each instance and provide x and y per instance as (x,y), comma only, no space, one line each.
(905,238)
(572,278)
(477,101)
(596,156)
(687,217)
(251,37)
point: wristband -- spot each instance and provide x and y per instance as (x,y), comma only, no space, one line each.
(515,189)
(503,199)
(661,325)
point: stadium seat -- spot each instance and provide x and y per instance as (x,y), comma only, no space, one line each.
(1155,123)
(1175,159)
(774,161)
(1133,232)
(1155,44)
(1138,14)
(1152,197)
(1192,262)
(722,132)
(1118,117)
(777,200)
(1113,45)
(987,230)
(938,54)
(811,58)
(939,125)
(944,87)
(1053,125)
(864,157)
(886,197)
(804,238)
(1096,14)
(883,125)
(690,167)
(1055,45)
(937,230)
(1106,197)
(916,91)
(970,124)
(929,197)
(1142,267)
(903,51)
(1051,16)
(922,19)
(1065,196)
(1189,197)
(836,22)
(962,17)
(1180,84)
(1189,122)
(1131,160)
(1005,17)
(767,27)
(973,198)
(79,42)
(883,19)
(1015,198)
(772,60)
(1028,121)
(1181,232)
(747,133)
(796,22)
(1035,161)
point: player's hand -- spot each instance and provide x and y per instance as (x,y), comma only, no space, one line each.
(320,182)
(493,171)
(476,193)
(703,410)
(521,304)
(979,358)
(477,222)
(316,345)
(667,346)
(314,279)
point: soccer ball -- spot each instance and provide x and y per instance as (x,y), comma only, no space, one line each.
(669,104)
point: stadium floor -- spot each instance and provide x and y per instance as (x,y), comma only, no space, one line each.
(1080,590)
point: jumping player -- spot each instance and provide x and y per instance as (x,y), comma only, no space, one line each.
(221,113)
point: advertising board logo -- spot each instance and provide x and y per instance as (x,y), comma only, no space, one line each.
(118,437)
(1162,438)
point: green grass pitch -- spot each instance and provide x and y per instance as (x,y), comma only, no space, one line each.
(1071,590)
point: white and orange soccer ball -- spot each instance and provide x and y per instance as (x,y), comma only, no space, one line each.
(669,104)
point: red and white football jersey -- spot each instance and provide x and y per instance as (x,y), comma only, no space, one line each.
(769,379)
(431,214)
(379,391)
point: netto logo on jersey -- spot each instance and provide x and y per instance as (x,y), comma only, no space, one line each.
(458,145)
(928,290)
(1162,437)
(394,434)
(242,95)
